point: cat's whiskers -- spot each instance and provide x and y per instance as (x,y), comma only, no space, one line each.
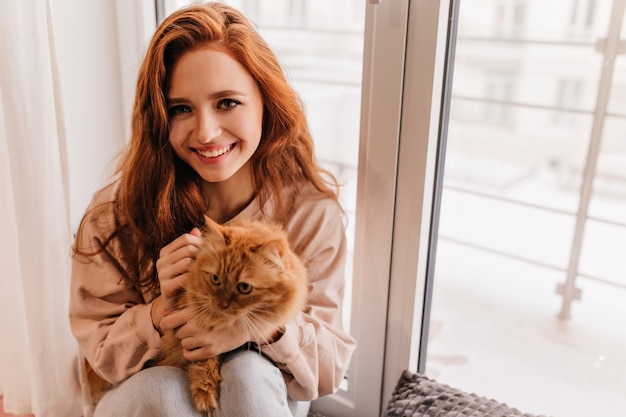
(202,309)
(252,328)
(201,297)
(198,303)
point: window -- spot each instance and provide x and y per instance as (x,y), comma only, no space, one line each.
(529,278)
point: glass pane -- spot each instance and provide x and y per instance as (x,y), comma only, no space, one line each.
(320,45)
(609,189)
(526,114)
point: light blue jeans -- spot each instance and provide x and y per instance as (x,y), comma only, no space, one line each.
(251,386)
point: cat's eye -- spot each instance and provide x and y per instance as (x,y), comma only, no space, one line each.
(215,280)
(244,288)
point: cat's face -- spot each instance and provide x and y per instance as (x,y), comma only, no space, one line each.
(246,272)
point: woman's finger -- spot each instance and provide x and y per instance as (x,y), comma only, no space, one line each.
(186,239)
(200,353)
(173,270)
(174,319)
(169,261)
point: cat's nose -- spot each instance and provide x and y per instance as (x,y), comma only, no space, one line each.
(225,304)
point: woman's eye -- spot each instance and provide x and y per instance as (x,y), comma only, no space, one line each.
(227,104)
(244,288)
(178,110)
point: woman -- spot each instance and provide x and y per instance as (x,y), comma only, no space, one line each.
(216,131)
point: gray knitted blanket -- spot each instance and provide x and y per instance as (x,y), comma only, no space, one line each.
(418,396)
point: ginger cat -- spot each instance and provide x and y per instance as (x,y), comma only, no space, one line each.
(244,272)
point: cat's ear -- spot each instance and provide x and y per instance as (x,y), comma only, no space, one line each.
(211,229)
(209,223)
(274,250)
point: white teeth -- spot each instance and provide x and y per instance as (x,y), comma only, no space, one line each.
(217,152)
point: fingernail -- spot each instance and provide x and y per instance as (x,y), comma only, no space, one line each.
(166,313)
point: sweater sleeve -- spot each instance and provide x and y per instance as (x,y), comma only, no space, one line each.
(109,317)
(314,352)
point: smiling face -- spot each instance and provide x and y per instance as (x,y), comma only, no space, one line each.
(215,115)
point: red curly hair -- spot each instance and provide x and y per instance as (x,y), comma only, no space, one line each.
(161,197)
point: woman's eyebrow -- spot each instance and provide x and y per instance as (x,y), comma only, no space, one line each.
(226,93)
(213,96)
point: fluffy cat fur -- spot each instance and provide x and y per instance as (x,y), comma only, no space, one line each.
(261,282)
(243,272)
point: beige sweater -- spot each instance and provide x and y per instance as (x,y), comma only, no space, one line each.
(111,319)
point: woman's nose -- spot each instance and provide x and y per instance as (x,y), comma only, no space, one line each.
(207,127)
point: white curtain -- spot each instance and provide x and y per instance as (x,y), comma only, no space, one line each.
(37,350)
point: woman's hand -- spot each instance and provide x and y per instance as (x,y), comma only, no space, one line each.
(200,343)
(172,265)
